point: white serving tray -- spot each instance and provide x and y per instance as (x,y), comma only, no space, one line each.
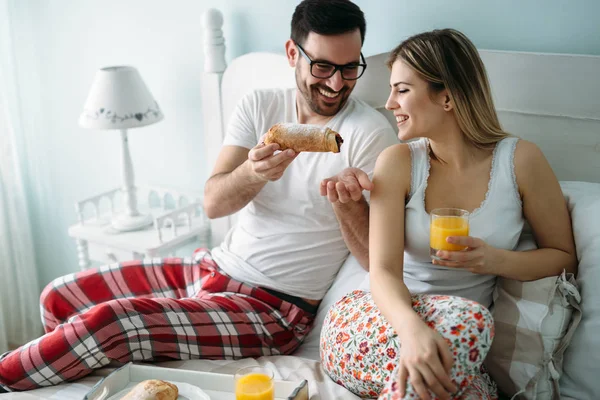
(216,386)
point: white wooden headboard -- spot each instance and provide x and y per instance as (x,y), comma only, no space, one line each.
(552,100)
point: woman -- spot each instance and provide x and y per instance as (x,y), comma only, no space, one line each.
(425,331)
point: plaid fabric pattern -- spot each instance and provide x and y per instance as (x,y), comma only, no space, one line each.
(151,310)
(534,325)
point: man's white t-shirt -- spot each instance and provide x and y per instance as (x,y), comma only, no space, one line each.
(288,237)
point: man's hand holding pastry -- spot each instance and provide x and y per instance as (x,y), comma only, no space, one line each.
(268,166)
(346,186)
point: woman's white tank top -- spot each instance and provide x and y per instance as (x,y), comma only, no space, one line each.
(498,221)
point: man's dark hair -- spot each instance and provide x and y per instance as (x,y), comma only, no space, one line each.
(327,17)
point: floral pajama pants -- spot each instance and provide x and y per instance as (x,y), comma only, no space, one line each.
(360,349)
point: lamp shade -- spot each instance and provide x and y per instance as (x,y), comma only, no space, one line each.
(119,99)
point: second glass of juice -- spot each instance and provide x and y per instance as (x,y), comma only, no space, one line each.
(254,383)
(447,222)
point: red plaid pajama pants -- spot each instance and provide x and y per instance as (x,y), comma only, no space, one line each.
(151,310)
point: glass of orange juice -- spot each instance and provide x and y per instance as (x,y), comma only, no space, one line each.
(447,222)
(254,383)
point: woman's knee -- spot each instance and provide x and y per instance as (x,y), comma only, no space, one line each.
(478,319)
(458,315)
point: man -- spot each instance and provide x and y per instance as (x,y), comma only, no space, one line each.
(258,292)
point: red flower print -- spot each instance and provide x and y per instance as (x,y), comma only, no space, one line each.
(363,347)
(342,337)
(343,365)
(389,367)
(456,329)
(478,315)
(473,355)
(391,353)
(368,377)
(373,394)
(480,326)
(472,341)
(382,329)
(382,339)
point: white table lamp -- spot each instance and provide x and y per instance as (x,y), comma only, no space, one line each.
(119,99)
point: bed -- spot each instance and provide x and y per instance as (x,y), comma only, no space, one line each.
(549,99)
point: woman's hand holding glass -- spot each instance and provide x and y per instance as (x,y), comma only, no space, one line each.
(478,257)
(425,361)
(451,246)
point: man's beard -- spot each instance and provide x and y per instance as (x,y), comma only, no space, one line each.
(312,97)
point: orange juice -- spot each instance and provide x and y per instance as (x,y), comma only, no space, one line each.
(444,226)
(254,386)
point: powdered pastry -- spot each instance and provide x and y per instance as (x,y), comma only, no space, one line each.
(304,137)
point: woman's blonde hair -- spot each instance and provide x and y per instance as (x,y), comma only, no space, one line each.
(447,59)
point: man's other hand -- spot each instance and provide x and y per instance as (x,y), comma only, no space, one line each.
(346,186)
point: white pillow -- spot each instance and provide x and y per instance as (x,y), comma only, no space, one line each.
(351,277)
(581,367)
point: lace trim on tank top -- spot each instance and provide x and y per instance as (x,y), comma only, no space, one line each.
(413,173)
(513,175)
(490,181)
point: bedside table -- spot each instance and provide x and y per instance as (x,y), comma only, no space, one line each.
(178,222)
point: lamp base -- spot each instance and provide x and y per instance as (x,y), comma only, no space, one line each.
(125,223)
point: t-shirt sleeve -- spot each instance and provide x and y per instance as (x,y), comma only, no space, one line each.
(241,129)
(367,152)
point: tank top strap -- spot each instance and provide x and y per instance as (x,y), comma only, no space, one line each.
(419,153)
(503,169)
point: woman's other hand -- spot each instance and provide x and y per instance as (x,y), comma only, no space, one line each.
(426,361)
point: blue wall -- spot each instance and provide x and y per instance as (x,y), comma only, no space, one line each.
(554,26)
(60,44)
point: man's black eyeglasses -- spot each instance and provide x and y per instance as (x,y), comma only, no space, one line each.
(324,70)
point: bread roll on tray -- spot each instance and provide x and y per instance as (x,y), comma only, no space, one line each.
(153,389)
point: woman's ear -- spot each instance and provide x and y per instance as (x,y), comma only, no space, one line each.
(446,101)
(291,51)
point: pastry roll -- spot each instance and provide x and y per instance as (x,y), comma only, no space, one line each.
(302,137)
(153,390)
